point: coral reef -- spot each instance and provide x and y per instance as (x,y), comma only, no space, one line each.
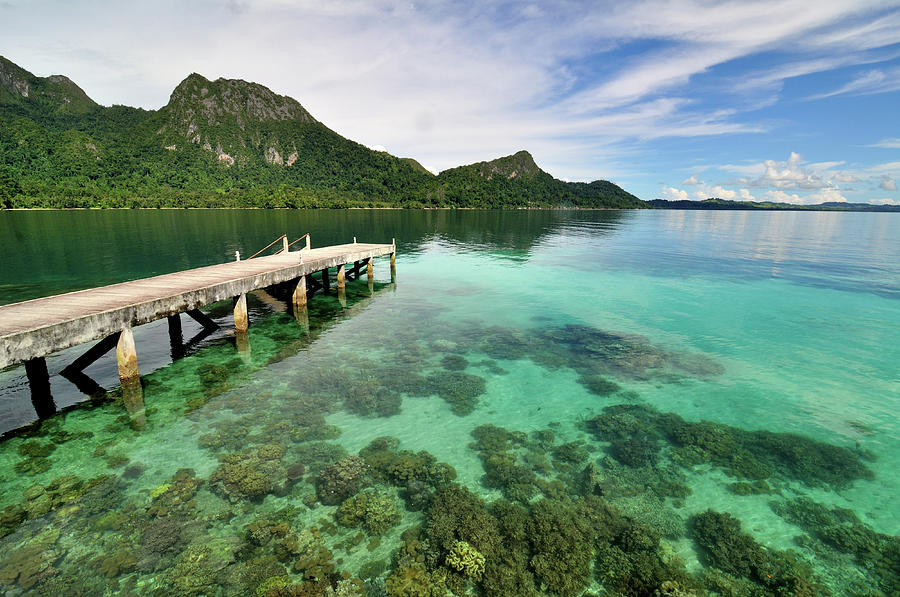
(841,529)
(599,385)
(638,433)
(375,511)
(724,546)
(340,480)
(563,546)
(460,390)
(372,398)
(454,362)
(249,475)
(31,563)
(466,559)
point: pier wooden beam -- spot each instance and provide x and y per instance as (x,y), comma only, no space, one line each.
(203,319)
(241,319)
(84,383)
(92,354)
(341,278)
(39,383)
(126,357)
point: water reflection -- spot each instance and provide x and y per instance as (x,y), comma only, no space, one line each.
(49,252)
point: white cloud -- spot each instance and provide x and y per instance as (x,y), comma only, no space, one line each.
(673,194)
(746,196)
(873,81)
(844,178)
(790,174)
(886,168)
(891,143)
(825,196)
(887,183)
(378,148)
(722,193)
(883,201)
(782,197)
(691,180)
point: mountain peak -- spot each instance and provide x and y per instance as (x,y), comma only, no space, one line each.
(17,85)
(198,96)
(520,165)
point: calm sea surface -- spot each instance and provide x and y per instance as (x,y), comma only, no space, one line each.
(540,403)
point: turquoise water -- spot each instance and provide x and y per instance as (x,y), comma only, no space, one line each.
(559,403)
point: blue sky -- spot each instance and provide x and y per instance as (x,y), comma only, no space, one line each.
(787,101)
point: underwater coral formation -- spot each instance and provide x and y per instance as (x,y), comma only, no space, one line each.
(340,480)
(639,435)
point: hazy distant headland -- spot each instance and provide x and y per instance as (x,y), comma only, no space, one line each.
(715,203)
(230,143)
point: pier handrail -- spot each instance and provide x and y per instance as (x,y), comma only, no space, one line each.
(267,246)
(283,236)
(292,244)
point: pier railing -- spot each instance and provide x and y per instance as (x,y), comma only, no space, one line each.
(285,245)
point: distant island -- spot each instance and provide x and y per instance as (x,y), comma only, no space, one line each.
(715,203)
(231,143)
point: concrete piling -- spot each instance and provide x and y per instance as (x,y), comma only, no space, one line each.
(126,357)
(299,296)
(241,319)
(341,278)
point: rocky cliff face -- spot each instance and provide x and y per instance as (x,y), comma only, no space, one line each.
(519,165)
(235,119)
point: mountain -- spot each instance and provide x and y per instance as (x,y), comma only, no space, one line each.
(55,93)
(517,181)
(716,203)
(233,143)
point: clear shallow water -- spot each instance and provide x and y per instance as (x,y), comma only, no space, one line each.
(533,322)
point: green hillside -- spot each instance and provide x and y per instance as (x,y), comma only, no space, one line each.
(230,143)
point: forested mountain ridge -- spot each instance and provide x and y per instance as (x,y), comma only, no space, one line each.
(232,143)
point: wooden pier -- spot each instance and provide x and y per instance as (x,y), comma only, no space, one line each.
(33,329)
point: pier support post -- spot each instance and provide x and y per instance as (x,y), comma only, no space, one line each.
(393,265)
(341,278)
(308,244)
(326,284)
(39,382)
(241,319)
(126,357)
(284,243)
(370,276)
(299,297)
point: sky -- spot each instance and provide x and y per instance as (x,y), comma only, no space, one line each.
(791,101)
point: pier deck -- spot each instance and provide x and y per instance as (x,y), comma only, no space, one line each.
(33,329)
